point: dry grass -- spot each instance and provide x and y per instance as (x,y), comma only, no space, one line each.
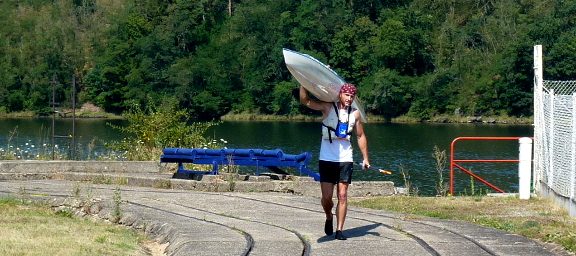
(33,229)
(536,218)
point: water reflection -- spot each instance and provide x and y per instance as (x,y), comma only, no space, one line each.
(32,138)
(407,147)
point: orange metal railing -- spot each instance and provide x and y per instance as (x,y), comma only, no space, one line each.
(454,162)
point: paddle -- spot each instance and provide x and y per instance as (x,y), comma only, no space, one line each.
(381,170)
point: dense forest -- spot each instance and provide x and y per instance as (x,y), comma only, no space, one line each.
(418,58)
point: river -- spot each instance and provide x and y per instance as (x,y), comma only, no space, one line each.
(402,148)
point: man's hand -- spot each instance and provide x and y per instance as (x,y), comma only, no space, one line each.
(365,164)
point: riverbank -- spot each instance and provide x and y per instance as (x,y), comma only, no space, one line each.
(65,115)
(379,119)
(86,112)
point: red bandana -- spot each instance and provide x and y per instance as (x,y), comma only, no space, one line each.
(348,88)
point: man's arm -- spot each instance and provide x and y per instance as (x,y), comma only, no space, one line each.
(362,141)
(312,104)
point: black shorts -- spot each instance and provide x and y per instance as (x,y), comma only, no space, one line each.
(335,172)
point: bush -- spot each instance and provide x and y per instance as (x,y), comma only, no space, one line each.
(151,129)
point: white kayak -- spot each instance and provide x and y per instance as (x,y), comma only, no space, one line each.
(317,78)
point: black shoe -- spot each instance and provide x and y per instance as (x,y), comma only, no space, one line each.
(339,235)
(328,228)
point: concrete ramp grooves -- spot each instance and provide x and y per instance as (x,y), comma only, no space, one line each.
(188,235)
(204,223)
(262,238)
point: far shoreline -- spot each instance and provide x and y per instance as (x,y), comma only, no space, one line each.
(441,119)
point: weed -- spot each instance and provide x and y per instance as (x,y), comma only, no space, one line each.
(117,211)
(406,178)
(472,183)
(474,191)
(100,239)
(166,184)
(214,185)
(64,212)
(90,149)
(102,179)
(296,181)
(412,190)
(232,174)
(441,185)
(122,181)
(88,201)
(24,195)
(9,153)
(398,226)
(76,190)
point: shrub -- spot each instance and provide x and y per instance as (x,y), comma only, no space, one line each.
(151,129)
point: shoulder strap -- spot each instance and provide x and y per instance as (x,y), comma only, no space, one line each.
(332,128)
(336,110)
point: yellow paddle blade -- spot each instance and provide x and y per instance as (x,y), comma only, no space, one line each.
(385,171)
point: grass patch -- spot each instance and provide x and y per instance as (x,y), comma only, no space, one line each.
(536,218)
(34,229)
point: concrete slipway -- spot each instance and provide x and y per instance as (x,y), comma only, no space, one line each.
(261,216)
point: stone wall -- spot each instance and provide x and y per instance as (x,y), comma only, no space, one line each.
(154,174)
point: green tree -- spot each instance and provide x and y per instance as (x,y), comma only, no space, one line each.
(562,57)
(214,57)
(434,94)
(284,102)
(386,93)
(353,49)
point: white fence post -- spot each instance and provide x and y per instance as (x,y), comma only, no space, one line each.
(539,123)
(550,142)
(525,167)
(573,175)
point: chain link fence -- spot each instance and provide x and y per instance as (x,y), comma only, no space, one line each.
(554,137)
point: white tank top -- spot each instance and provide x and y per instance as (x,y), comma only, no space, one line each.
(340,150)
(337,151)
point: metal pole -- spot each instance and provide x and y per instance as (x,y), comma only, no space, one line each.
(74,117)
(53,111)
(452,166)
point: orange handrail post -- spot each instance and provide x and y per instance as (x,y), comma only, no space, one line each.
(453,162)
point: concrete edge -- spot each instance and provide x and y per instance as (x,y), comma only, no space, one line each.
(565,202)
(153,174)
(160,232)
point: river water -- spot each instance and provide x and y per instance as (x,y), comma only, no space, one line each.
(402,148)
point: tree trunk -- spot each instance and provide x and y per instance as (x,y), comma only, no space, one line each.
(230,8)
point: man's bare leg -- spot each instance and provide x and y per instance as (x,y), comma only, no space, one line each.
(341,209)
(327,204)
